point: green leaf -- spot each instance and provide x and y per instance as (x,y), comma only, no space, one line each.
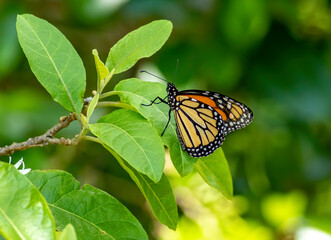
(68,233)
(140,43)
(215,171)
(94,213)
(135,92)
(102,70)
(53,60)
(159,196)
(53,184)
(24,213)
(134,139)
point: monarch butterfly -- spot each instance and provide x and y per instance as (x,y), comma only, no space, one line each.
(203,118)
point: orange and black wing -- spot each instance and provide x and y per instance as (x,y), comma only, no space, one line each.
(204,119)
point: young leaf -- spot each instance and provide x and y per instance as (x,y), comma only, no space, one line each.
(24,213)
(94,213)
(137,92)
(102,70)
(159,195)
(53,60)
(134,139)
(215,171)
(140,43)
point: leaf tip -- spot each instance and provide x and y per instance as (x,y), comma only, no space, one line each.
(23,16)
(18,18)
(228,195)
(173,225)
(95,52)
(170,23)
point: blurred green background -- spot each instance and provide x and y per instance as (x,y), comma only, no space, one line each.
(274,55)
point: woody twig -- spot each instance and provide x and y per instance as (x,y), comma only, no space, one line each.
(45,139)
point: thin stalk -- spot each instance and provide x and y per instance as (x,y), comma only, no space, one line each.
(116,104)
(92,139)
(108,94)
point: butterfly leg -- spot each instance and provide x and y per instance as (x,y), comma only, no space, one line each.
(167,123)
(157,98)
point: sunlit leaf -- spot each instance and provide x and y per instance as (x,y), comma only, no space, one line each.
(134,139)
(215,171)
(93,213)
(140,43)
(24,213)
(137,92)
(53,60)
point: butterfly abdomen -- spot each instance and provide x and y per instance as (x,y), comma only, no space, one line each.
(172,93)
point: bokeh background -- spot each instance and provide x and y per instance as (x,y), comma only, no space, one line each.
(274,55)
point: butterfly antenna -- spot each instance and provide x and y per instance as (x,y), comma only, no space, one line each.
(143,71)
(176,70)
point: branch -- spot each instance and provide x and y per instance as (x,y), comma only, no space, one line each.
(45,139)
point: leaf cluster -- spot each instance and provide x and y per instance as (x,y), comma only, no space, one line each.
(48,200)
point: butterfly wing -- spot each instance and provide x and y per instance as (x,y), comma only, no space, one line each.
(204,119)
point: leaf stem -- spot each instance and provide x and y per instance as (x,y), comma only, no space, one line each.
(92,139)
(108,94)
(116,104)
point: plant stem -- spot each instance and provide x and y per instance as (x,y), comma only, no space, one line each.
(93,139)
(116,104)
(108,94)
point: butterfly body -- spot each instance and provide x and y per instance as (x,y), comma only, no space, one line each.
(204,118)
